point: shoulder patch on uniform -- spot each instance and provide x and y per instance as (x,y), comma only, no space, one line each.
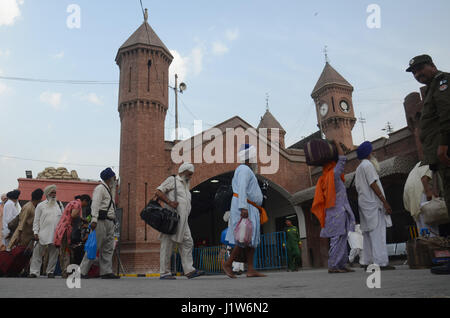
(443,87)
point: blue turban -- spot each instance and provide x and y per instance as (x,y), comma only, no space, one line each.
(107,174)
(364,150)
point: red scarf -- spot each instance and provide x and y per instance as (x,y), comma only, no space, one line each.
(65,223)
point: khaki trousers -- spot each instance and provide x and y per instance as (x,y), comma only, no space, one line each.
(105,247)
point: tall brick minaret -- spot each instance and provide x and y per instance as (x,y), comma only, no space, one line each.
(143,102)
(333,99)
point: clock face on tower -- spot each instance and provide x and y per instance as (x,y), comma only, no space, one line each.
(345,107)
(323,109)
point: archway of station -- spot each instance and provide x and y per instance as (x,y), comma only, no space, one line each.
(206,219)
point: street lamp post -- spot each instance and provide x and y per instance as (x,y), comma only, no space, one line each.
(177,89)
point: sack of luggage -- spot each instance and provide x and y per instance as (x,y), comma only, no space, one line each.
(435,212)
(318,152)
(159,218)
(12,263)
(423,250)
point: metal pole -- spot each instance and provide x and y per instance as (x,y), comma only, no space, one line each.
(176,107)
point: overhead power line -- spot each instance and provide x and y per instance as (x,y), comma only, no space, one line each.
(58,81)
(56,162)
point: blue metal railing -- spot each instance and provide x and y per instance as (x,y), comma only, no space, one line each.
(270,254)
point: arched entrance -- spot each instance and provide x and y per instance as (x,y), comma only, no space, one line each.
(207,224)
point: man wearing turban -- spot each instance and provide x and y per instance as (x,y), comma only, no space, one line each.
(4,199)
(245,204)
(374,210)
(181,204)
(10,211)
(46,217)
(103,212)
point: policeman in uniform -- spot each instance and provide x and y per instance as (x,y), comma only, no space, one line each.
(293,246)
(435,124)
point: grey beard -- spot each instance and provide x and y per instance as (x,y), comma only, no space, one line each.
(254,167)
(52,201)
(375,163)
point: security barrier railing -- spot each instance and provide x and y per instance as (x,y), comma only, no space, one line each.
(270,254)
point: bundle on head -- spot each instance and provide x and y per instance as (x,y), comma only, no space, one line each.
(318,152)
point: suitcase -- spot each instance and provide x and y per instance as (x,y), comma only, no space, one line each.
(318,152)
(423,252)
(6,260)
(12,263)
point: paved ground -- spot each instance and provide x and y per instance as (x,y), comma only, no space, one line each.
(402,282)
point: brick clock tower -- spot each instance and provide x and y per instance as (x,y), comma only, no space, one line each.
(144,62)
(332,96)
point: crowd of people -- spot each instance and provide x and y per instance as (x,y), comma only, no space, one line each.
(60,231)
(51,231)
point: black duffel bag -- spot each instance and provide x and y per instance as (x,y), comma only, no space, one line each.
(159,218)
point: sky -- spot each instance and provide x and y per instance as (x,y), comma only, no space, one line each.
(229,53)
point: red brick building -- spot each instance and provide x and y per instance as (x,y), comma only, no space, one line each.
(146,159)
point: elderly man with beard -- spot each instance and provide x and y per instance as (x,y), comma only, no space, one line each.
(246,201)
(11,209)
(374,210)
(103,219)
(181,203)
(46,217)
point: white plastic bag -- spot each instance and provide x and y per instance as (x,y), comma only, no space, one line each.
(243,232)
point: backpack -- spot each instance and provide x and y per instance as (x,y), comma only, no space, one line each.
(222,198)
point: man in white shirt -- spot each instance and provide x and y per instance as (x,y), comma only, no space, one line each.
(10,211)
(374,210)
(46,218)
(175,193)
(103,214)
(418,190)
(4,199)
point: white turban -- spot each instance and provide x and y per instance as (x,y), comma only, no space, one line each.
(246,152)
(186,166)
(49,189)
(3,196)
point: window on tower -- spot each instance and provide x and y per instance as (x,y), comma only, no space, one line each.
(129,82)
(149,64)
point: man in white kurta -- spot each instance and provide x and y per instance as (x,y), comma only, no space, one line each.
(181,204)
(373,209)
(46,218)
(418,190)
(10,211)
(245,188)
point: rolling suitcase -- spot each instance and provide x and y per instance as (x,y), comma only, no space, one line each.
(6,260)
(318,152)
(12,263)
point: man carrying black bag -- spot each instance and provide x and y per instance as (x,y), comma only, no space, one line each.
(174,191)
